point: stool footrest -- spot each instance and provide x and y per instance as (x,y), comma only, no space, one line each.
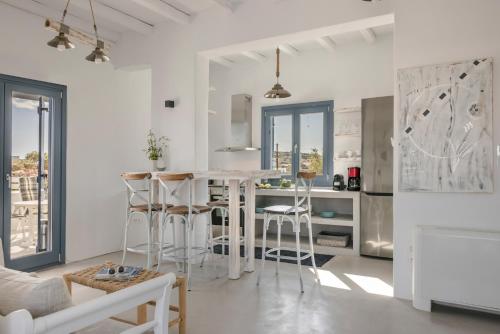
(166,255)
(142,248)
(224,240)
(275,256)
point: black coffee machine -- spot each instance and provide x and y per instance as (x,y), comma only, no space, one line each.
(354,180)
(338,182)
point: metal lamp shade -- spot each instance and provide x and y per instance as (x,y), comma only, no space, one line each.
(61,42)
(277,92)
(98,56)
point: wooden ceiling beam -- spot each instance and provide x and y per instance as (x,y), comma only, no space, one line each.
(43,11)
(164,10)
(369,35)
(223,61)
(255,56)
(227,5)
(114,16)
(327,43)
(289,49)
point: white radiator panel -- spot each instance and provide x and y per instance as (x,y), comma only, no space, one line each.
(454,266)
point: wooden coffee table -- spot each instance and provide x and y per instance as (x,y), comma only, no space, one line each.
(86,277)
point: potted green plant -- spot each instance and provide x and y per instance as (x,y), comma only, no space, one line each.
(156,149)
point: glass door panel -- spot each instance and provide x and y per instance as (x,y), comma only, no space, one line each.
(311,142)
(282,144)
(29,228)
(31,234)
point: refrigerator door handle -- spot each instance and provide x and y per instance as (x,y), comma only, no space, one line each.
(372,193)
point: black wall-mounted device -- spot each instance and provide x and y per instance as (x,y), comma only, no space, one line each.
(169,104)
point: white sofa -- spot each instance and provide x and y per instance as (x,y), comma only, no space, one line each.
(78,317)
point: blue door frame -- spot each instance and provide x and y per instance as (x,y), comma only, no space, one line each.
(58,93)
(326,107)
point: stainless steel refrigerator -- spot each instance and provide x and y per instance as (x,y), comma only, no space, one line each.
(376,178)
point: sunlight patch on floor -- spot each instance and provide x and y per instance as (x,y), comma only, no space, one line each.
(327,278)
(372,285)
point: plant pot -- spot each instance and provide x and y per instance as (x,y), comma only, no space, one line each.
(155,165)
(161,165)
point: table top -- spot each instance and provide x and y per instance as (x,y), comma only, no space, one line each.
(86,277)
(228,174)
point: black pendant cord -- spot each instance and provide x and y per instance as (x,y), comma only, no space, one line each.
(93,19)
(65,11)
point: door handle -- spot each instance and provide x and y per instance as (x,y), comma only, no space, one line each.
(8,179)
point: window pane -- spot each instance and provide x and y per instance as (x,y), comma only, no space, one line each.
(281,150)
(311,142)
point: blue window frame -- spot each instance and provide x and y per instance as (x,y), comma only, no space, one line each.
(298,137)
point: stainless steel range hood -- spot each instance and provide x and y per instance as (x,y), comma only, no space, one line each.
(241,125)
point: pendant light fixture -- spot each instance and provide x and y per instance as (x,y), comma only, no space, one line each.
(61,42)
(97,56)
(277,92)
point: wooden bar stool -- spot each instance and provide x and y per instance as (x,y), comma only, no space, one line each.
(222,206)
(294,215)
(172,186)
(139,203)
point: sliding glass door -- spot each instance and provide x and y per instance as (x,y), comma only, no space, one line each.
(33,173)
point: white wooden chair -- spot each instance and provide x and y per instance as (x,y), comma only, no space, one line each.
(83,315)
(139,203)
(297,214)
(222,205)
(171,186)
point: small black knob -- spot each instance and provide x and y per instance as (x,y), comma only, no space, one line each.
(111,271)
(121,269)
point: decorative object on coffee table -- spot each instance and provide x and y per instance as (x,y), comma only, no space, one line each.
(86,277)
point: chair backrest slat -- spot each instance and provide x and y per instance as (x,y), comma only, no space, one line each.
(306,179)
(135,176)
(175,176)
(133,192)
(306,175)
(171,185)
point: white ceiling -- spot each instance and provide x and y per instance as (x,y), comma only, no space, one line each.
(334,42)
(117,16)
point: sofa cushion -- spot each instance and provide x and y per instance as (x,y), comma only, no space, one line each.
(39,296)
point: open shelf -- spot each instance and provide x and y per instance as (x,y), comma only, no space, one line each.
(339,220)
(288,240)
(322,199)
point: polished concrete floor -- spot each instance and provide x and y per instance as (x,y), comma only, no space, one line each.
(355,296)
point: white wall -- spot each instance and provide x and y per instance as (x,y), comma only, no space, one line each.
(179,72)
(354,71)
(426,32)
(172,52)
(447,30)
(108,116)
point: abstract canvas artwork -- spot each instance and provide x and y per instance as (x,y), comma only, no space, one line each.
(445,127)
